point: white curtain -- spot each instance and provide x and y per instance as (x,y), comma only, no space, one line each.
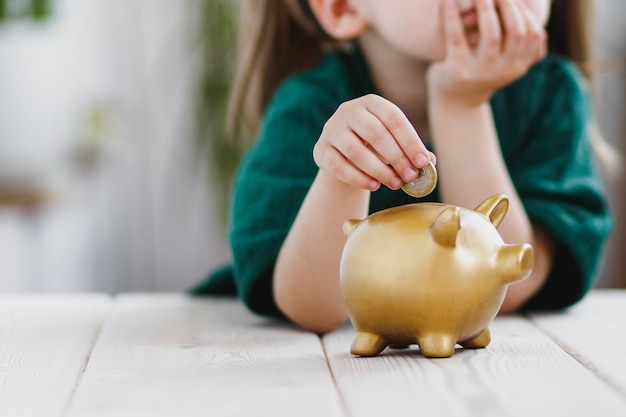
(610,47)
(143,217)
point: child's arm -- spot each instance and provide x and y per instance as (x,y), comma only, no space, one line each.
(463,129)
(471,166)
(306,274)
(351,152)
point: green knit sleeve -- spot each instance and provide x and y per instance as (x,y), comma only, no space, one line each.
(271,184)
(552,166)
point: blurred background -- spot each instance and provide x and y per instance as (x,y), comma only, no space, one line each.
(110,177)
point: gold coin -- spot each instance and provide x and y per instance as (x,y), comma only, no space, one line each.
(424,184)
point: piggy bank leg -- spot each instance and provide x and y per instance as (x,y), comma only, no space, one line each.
(437,345)
(479,341)
(367,344)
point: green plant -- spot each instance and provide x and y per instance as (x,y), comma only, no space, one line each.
(20,9)
(218,40)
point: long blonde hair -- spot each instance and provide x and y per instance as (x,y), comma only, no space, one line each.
(276,39)
(280,37)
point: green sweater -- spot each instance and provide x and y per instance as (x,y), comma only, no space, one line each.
(541,121)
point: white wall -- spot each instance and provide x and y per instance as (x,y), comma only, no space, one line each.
(610,45)
(144,218)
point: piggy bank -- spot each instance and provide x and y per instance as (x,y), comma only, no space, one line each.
(428,274)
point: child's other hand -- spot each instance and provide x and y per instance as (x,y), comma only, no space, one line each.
(507,41)
(369,141)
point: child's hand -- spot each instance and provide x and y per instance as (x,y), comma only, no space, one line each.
(508,42)
(369,141)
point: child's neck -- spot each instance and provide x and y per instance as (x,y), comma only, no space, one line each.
(401,81)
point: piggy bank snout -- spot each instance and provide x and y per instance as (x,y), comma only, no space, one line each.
(515,262)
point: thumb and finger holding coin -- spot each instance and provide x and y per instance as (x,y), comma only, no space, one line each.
(425,182)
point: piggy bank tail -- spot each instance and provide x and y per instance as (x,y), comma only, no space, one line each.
(515,262)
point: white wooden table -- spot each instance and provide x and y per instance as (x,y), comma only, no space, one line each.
(171,355)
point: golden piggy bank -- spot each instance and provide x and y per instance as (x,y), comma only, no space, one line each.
(428,273)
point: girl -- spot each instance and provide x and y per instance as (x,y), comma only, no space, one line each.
(356,95)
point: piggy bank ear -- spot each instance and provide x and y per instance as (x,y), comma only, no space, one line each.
(348,225)
(446,226)
(494,207)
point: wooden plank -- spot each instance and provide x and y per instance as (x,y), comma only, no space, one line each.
(171,355)
(45,341)
(593,332)
(521,373)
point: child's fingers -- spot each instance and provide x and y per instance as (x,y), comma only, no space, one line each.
(375,138)
(330,155)
(433,158)
(366,143)
(490,44)
(360,154)
(337,164)
(400,145)
(457,48)
(514,25)
(537,45)
(384,129)
(343,153)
